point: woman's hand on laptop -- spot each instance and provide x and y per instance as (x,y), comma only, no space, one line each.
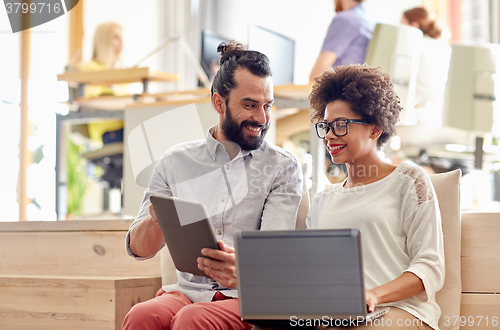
(405,286)
(223,268)
(371,300)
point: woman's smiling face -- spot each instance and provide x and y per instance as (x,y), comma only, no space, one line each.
(356,143)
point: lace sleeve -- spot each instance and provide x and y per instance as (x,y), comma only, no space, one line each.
(421,189)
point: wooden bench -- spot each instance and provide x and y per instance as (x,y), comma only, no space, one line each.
(76,274)
(70,275)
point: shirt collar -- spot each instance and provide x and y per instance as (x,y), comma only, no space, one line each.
(360,6)
(213,144)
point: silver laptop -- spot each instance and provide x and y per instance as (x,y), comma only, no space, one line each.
(287,276)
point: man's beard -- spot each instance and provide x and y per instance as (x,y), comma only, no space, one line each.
(234,132)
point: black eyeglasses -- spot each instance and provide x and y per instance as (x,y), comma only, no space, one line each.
(339,127)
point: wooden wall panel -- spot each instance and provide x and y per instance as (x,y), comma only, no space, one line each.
(72,302)
(56,304)
(127,297)
(480,252)
(71,253)
(480,311)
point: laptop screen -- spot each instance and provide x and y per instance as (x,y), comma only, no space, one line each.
(301,273)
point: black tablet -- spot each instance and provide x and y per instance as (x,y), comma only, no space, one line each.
(186,228)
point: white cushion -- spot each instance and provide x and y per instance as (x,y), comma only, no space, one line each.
(447,186)
(168,272)
(304,202)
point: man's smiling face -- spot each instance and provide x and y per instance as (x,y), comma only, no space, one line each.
(248,110)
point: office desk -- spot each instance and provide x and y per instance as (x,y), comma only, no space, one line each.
(292,96)
(118,76)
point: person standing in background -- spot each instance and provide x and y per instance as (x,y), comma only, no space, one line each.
(347,38)
(433,65)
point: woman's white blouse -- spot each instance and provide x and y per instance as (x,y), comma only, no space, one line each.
(400,225)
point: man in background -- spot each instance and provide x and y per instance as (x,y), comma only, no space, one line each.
(347,38)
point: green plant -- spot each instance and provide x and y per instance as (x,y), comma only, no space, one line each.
(76,177)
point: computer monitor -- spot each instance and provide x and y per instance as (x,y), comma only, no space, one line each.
(279,49)
(396,49)
(209,56)
(472,90)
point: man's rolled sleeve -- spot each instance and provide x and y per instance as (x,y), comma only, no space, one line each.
(157,185)
(129,251)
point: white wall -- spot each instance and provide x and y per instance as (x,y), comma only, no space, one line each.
(9,48)
(49,44)
(390,11)
(9,119)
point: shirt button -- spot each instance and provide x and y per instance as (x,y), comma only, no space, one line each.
(222,199)
(219,232)
(227,166)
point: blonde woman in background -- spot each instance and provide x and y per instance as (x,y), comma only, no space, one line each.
(107,47)
(433,66)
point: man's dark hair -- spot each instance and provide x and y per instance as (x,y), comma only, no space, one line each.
(368,91)
(234,56)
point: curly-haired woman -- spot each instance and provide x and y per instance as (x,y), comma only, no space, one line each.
(355,111)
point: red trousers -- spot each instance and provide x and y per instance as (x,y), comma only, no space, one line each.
(173,310)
